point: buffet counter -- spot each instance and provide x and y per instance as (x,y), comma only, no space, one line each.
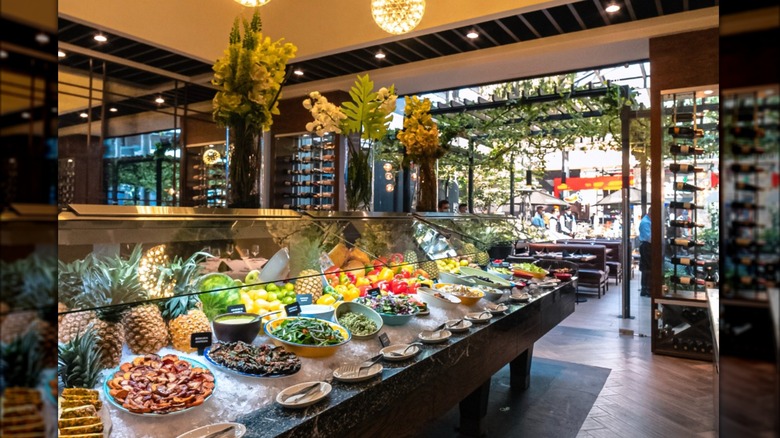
(407,395)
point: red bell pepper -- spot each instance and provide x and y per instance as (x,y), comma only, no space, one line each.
(399,287)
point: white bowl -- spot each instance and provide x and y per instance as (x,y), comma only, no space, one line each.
(427,295)
(318,311)
(277,268)
(446,277)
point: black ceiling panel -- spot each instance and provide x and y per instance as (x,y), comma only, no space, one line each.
(590,14)
(541,23)
(441,46)
(673,6)
(565,18)
(516,26)
(645,8)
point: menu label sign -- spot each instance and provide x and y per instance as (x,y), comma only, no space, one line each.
(200,341)
(304,299)
(238,308)
(384,340)
(293,309)
(373,292)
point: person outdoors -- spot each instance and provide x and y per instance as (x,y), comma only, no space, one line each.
(444,206)
(463,208)
(567,222)
(644,253)
(538,219)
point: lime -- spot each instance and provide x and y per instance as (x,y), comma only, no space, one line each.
(288,300)
(271,287)
(272,296)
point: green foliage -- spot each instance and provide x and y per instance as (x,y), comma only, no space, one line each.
(21,360)
(364,116)
(78,361)
(710,235)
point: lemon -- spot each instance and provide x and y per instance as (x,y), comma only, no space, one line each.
(289,286)
(276,305)
(272,296)
(262,293)
(245,297)
(464,262)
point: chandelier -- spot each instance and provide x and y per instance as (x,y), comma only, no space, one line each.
(253,3)
(397,16)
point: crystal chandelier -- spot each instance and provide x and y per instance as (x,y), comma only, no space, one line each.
(397,16)
(253,3)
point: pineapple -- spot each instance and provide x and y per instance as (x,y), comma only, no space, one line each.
(22,360)
(305,263)
(469,249)
(183,312)
(482,258)
(431,268)
(71,285)
(410,257)
(78,361)
(145,330)
(107,286)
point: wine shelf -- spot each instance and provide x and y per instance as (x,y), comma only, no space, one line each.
(305,177)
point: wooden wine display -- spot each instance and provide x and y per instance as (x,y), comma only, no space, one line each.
(305,174)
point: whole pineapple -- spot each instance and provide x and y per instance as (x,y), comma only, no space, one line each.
(71,284)
(22,360)
(78,361)
(431,268)
(305,254)
(108,287)
(183,311)
(410,258)
(482,258)
(145,330)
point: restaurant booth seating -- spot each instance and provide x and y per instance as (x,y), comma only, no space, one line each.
(592,274)
(613,256)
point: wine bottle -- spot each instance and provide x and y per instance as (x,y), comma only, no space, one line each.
(746,168)
(684,117)
(685,261)
(328,170)
(684,168)
(678,241)
(685,187)
(306,148)
(744,242)
(755,282)
(747,187)
(746,224)
(323,195)
(709,279)
(683,205)
(685,149)
(739,149)
(679,223)
(325,182)
(744,205)
(747,132)
(685,132)
(328,157)
(686,280)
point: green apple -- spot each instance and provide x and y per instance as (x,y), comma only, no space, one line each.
(238,283)
(272,296)
(271,287)
(288,300)
(252,277)
(289,286)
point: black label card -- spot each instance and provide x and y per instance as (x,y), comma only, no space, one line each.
(304,299)
(293,309)
(373,292)
(384,340)
(200,341)
(238,308)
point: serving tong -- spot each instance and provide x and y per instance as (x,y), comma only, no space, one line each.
(356,369)
(406,350)
(306,392)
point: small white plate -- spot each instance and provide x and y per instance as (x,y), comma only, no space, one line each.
(423,313)
(520,298)
(355,376)
(302,402)
(431,337)
(478,317)
(238,431)
(397,349)
(498,309)
(463,326)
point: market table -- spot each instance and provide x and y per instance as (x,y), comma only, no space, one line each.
(406,396)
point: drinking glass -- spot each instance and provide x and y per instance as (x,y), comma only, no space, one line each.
(229,249)
(255,250)
(216,252)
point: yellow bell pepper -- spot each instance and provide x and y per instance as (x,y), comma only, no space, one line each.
(363,281)
(386,274)
(351,293)
(326,300)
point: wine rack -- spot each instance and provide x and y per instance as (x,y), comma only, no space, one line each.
(682,327)
(207,181)
(305,176)
(750,168)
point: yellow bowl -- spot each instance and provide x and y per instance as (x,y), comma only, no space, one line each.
(306,350)
(464,299)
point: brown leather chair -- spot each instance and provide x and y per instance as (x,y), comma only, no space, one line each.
(593,274)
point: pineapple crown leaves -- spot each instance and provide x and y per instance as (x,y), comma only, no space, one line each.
(110,283)
(69,278)
(78,361)
(178,306)
(182,273)
(23,359)
(30,283)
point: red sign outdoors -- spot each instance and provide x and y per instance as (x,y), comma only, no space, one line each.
(594,183)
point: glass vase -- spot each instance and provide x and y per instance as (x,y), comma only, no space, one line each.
(360,178)
(427,186)
(244,168)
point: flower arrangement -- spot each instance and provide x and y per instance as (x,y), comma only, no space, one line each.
(249,76)
(363,121)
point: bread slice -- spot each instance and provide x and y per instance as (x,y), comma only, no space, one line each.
(79,411)
(81,421)
(81,430)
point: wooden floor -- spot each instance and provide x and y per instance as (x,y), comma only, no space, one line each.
(645,395)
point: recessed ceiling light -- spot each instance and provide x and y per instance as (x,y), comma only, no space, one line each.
(707,92)
(100,38)
(26,115)
(159,99)
(61,54)
(472,34)
(113,109)
(3,54)
(298,72)
(380,55)
(42,38)
(612,8)
(83,115)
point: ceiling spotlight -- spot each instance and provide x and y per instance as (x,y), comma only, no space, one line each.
(100,38)
(113,109)
(26,115)
(42,38)
(61,54)
(83,115)
(298,72)
(380,55)
(707,92)
(3,54)
(159,100)
(472,34)
(612,8)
